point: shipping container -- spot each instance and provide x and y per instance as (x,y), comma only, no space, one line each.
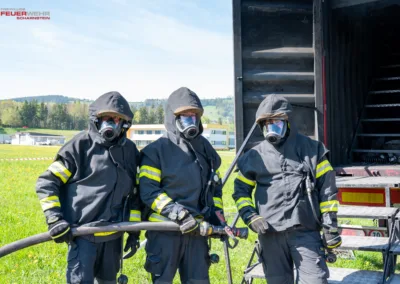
(338,63)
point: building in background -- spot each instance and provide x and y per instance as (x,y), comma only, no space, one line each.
(5,139)
(231,143)
(144,134)
(34,138)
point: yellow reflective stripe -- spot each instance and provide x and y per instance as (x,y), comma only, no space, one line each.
(243,202)
(149,176)
(151,169)
(242,178)
(329,206)
(50,202)
(322,164)
(102,234)
(218,202)
(160,202)
(62,234)
(58,169)
(137,178)
(323,168)
(135,216)
(150,173)
(154,217)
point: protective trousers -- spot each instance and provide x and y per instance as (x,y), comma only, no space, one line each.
(300,248)
(90,262)
(169,251)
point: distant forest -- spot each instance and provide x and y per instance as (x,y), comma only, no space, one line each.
(65,113)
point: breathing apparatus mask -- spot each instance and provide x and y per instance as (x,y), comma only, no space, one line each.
(110,127)
(274,130)
(188,125)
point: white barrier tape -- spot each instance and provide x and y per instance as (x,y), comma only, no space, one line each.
(27,159)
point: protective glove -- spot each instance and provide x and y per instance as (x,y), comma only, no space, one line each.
(178,213)
(174,212)
(188,224)
(132,243)
(60,231)
(257,224)
(332,238)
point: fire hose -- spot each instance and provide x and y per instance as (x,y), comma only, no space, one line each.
(206,229)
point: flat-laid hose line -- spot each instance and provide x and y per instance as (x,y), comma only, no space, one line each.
(81,231)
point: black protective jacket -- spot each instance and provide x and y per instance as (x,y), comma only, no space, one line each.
(173,169)
(90,179)
(278,175)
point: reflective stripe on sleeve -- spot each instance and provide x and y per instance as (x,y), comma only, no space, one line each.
(103,234)
(60,171)
(218,202)
(160,202)
(243,202)
(323,168)
(150,173)
(329,206)
(247,181)
(154,217)
(135,216)
(50,202)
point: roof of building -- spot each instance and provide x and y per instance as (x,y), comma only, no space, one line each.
(40,134)
(161,126)
(147,126)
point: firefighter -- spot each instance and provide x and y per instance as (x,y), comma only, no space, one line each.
(174,172)
(92,182)
(281,213)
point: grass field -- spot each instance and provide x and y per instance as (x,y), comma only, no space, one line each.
(21,216)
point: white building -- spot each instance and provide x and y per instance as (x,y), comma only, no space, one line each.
(144,134)
(33,138)
(232,139)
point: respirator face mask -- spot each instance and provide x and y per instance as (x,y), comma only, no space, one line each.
(188,125)
(274,130)
(110,127)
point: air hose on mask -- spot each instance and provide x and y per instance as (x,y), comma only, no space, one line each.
(330,255)
(309,190)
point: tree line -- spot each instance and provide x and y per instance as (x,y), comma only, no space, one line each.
(59,112)
(64,116)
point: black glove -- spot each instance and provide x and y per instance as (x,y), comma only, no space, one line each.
(179,214)
(60,231)
(332,238)
(175,212)
(188,224)
(257,224)
(132,243)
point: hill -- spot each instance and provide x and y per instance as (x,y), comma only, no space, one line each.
(218,110)
(50,99)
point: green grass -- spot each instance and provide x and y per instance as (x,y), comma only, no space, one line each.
(67,133)
(20,151)
(21,216)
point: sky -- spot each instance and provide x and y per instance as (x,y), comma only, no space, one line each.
(141,48)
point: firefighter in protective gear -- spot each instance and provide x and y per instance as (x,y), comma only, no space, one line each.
(281,214)
(174,171)
(92,182)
